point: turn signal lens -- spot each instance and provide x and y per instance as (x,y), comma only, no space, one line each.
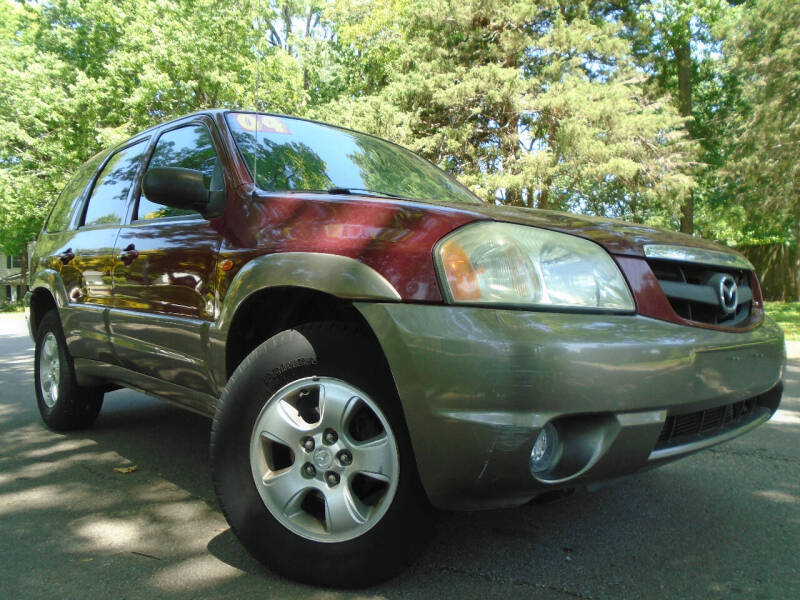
(460,272)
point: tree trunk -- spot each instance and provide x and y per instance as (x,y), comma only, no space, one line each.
(687,213)
(513,197)
(683,59)
(543,198)
(23,263)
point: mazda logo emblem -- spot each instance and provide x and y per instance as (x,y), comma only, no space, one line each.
(728,294)
(323,458)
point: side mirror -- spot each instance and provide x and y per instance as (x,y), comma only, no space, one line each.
(180,188)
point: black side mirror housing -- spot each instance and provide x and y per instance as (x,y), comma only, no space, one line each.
(182,188)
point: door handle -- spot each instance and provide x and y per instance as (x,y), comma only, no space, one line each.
(129,254)
(66,256)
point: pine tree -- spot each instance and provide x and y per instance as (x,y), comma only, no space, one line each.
(534,104)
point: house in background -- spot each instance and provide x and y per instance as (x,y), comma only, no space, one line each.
(11,288)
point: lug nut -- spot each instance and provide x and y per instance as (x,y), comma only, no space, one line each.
(332,478)
(307,443)
(309,470)
(330,436)
(345,458)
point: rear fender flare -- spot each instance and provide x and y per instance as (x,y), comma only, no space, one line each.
(52,282)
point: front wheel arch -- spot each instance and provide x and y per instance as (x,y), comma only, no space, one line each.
(271,310)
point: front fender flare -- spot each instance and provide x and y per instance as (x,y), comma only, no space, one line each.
(332,274)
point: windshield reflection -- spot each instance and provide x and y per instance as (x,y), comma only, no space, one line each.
(292,154)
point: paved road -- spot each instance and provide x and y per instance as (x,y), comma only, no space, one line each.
(722,524)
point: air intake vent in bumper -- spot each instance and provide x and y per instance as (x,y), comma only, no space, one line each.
(684,429)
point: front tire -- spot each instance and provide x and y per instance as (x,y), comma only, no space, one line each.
(312,462)
(63,404)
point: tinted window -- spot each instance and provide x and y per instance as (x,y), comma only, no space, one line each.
(68,199)
(107,203)
(190,148)
(292,154)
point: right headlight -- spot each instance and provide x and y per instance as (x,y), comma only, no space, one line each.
(504,263)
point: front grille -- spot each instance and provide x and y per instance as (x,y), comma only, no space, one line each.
(693,291)
(683,429)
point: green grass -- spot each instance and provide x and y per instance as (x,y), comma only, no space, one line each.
(787,314)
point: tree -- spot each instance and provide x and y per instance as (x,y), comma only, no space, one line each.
(675,43)
(534,104)
(667,112)
(35,129)
(762,157)
(80,75)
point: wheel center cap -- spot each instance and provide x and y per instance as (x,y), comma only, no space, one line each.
(323,458)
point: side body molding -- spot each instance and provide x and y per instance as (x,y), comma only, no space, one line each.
(331,274)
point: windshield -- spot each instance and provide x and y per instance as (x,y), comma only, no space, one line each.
(294,154)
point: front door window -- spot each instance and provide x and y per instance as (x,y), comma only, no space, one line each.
(189,148)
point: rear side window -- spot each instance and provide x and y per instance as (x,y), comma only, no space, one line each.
(190,148)
(107,204)
(70,197)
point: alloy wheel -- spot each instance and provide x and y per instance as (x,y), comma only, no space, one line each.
(324,459)
(49,369)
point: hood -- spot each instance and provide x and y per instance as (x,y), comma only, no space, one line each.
(618,237)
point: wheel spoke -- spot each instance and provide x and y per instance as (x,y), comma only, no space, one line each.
(375,458)
(287,489)
(337,406)
(280,423)
(343,511)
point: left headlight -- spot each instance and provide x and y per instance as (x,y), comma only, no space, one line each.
(504,263)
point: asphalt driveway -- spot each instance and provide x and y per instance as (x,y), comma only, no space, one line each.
(721,524)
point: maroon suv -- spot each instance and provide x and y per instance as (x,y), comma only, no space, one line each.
(372,341)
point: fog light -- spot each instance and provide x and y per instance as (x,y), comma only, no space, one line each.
(543,453)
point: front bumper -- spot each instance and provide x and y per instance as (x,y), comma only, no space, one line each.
(478,384)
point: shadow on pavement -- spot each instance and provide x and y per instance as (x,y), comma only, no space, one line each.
(721,524)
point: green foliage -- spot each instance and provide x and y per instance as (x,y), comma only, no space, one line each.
(34,129)
(80,75)
(763,171)
(533,104)
(12,307)
(787,315)
(547,103)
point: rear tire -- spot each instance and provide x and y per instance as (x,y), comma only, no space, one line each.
(313,465)
(63,404)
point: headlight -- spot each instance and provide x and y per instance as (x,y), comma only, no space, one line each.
(503,263)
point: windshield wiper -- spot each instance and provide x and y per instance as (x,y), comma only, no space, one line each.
(341,190)
(363,192)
